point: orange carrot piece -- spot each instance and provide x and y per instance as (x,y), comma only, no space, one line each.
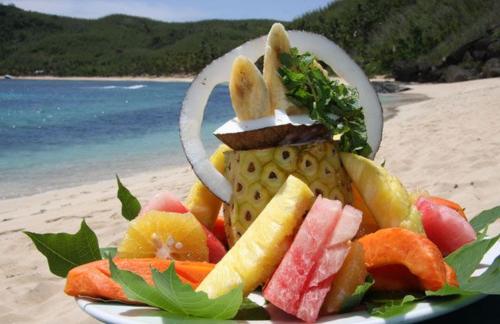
(398,246)
(448,203)
(368,223)
(94,279)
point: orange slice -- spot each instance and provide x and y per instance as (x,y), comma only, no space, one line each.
(165,236)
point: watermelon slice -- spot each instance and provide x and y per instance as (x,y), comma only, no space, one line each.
(304,276)
(329,264)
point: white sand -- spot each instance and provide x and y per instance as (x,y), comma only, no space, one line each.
(448,145)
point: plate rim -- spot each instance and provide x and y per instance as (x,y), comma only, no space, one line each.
(423,310)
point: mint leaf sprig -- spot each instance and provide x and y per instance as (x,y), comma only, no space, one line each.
(329,102)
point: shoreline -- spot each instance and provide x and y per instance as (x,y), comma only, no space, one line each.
(173,78)
(447,145)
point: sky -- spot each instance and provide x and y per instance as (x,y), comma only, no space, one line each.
(174,10)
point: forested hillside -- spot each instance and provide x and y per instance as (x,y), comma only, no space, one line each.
(384,36)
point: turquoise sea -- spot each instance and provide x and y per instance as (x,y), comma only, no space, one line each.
(60,133)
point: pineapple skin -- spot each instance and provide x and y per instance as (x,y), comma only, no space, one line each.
(255,256)
(256,176)
(201,202)
(383,193)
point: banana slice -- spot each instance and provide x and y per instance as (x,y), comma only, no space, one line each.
(277,43)
(248,91)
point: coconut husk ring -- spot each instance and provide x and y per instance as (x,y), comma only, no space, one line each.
(219,71)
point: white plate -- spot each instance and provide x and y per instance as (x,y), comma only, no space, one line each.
(127,314)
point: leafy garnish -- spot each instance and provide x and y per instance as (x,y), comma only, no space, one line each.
(333,104)
(488,282)
(108,252)
(393,307)
(356,298)
(448,290)
(249,309)
(480,222)
(65,251)
(466,259)
(171,295)
(130,205)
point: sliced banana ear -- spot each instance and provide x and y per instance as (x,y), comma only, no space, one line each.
(277,43)
(248,91)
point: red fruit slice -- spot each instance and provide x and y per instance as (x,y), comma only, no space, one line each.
(168,202)
(331,260)
(448,203)
(305,274)
(444,226)
(164,201)
(219,230)
(285,288)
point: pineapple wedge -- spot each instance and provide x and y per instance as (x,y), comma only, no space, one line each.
(258,252)
(201,202)
(385,196)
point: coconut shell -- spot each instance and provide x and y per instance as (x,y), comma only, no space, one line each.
(274,136)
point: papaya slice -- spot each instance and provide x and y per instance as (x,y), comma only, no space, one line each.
(398,246)
(94,279)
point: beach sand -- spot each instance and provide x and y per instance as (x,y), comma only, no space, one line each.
(448,145)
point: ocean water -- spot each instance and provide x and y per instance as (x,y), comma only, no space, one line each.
(60,133)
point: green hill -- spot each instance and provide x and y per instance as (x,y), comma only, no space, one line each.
(114,45)
(381,35)
(384,34)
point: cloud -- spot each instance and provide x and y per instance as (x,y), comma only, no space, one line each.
(158,10)
(173,10)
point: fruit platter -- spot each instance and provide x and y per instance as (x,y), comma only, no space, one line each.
(290,219)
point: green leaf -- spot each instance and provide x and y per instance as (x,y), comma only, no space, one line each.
(171,295)
(250,310)
(394,307)
(448,290)
(193,303)
(466,259)
(108,252)
(480,222)
(488,282)
(65,251)
(130,205)
(137,289)
(356,298)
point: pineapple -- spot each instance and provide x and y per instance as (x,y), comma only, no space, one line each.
(385,196)
(256,176)
(201,201)
(256,255)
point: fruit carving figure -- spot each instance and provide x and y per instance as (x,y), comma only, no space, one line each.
(260,169)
